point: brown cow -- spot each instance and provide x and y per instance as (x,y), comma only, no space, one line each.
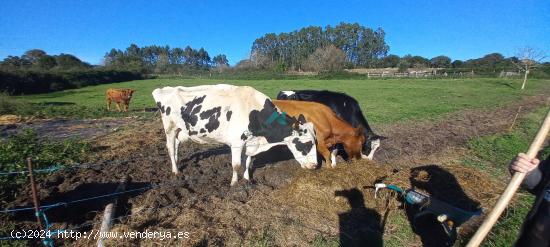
(330,129)
(119,96)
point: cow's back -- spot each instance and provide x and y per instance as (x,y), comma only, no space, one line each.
(345,106)
(320,115)
(221,112)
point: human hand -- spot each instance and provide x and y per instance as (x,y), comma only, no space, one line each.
(522,164)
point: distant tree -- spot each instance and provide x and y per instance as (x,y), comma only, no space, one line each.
(14,62)
(220,59)
(402,66)
(68,61)
(363,46)
(457,64)
(33,55)
(390,61)
(176,56)
(404,63)
(204,58)
(245,64)
(220,62)
(419,62)
(327,59)
(46,62)
(260,60)
(529,58)
(440,62)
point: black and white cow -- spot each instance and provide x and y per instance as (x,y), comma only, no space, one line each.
(240,117)
(345,107)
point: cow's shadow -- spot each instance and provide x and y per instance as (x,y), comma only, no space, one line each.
(82,203)
(360,226)
(270,157)
(205,154)
(441,184)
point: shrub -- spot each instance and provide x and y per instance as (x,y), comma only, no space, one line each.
(30,82)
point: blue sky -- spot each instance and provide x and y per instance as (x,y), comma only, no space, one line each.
(88,29)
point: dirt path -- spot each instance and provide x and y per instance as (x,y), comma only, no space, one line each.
(284,204)
(419,139)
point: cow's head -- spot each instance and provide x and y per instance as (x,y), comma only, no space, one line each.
(302,143)
(354,143)
(130,92)
(287,95)
(371,145)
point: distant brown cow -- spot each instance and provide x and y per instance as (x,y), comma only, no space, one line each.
(119,96)
(330,129)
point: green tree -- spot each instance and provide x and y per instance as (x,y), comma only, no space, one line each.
(33,55)
(46,62)
(440,62)
(14,62)
(220,60)
(457,64)
(68,61)
(419,62)
(390,61)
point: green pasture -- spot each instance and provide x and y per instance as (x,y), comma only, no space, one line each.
(382,100)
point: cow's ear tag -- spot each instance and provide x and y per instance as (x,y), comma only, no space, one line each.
(281,119)
(302,119)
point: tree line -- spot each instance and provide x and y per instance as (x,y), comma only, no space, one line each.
(362,46)
(492,61)
(163,59)
(35,71)
(36,59)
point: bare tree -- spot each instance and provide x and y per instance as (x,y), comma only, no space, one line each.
(529,58)
(326,59)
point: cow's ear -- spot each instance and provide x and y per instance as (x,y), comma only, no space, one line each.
(302,119)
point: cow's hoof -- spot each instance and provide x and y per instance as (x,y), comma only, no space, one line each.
(310,166)
(364,156)
(333,165)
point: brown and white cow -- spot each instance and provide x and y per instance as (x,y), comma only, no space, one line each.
(119,96)
(329,128)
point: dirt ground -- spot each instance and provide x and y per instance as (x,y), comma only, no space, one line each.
(283,204)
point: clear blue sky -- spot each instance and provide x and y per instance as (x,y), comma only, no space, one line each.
(461,29)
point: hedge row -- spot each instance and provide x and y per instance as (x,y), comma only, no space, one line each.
(32,82)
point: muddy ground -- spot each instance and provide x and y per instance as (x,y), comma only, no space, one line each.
(283,204)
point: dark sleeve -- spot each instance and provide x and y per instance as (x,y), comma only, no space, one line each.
(533,180)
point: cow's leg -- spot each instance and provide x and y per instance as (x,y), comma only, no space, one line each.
(118,106)
(235,162)
(171,146)
(108,104)
(176,145)
(247,170)
(333,157)
(323,150)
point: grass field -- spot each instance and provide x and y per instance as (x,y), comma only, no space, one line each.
(383,101)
